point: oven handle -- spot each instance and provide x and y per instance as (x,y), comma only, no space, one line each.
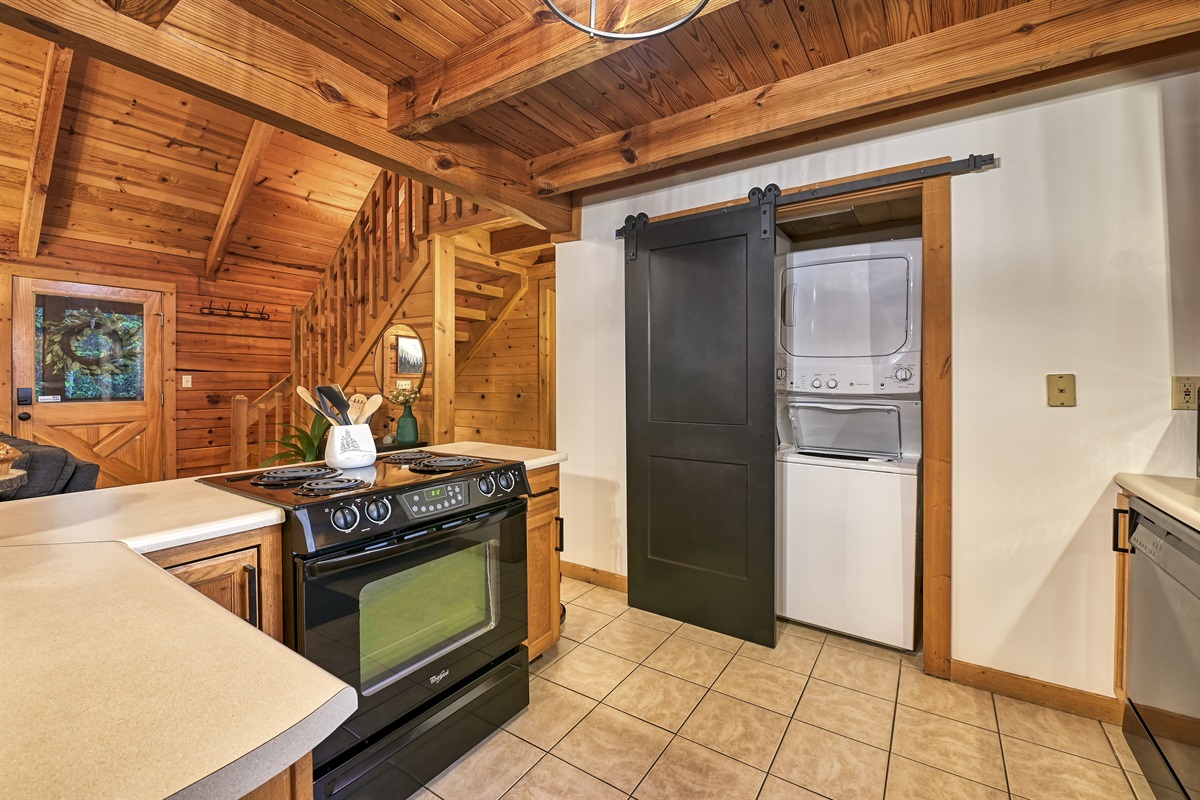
(320,567)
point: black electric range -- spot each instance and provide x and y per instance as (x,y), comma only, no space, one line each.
(408,580)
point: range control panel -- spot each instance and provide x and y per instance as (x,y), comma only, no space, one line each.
(369,512)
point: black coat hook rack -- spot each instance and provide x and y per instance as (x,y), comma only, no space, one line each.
(228,311)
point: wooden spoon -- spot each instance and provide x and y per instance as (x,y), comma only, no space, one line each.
(357,401)
(370,407)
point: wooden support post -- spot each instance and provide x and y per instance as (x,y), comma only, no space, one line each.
(257,143)
(239,457)
(442,256)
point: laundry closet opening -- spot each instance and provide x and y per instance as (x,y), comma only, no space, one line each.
(917,212)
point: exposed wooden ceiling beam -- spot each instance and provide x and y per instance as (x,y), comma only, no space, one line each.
(518,240)
(526,52)
(243,181)
(1026,39)
(41,160)
(147,12)
(219,52)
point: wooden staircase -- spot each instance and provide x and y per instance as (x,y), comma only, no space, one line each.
(373,272)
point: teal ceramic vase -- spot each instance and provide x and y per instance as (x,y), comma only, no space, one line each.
(406,428)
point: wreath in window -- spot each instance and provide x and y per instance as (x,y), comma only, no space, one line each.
(63,340)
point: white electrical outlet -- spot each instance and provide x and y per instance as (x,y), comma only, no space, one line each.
(404,385)
(186,381)
(1184,391)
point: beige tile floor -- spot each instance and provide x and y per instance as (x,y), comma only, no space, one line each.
(629,704)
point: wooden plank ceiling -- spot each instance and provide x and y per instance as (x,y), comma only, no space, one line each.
(503,104)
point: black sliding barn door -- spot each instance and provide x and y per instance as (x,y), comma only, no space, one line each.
(699,350)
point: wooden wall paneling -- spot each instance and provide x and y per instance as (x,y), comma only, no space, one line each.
(22,70)
(243,181)
(936,417)
(45,136)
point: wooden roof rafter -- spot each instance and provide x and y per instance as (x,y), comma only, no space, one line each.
(243,181)
(219,52)
(45,137)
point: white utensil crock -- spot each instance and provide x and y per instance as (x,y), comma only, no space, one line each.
(349,446)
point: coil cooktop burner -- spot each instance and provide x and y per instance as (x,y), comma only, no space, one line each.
(437,464)
(407,457)
(289,476)
(324,486)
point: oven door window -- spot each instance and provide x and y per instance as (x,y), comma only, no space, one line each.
(410,618)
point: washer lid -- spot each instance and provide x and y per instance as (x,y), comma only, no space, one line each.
(846,429)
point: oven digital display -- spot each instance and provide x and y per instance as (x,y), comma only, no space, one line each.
(434,493)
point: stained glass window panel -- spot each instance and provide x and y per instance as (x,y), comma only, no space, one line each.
(88,350)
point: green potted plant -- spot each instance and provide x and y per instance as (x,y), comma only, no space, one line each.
(301,446)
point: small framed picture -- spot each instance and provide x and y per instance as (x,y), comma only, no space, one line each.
(410,356)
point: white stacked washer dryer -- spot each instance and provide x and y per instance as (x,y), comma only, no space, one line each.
(848,388)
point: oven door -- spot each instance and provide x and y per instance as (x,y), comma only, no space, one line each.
(407,617)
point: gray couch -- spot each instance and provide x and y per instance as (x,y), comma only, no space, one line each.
(49,470)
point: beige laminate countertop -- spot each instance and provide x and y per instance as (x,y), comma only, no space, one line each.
(533,457)
(119,680)
(1179,497)
(145,516)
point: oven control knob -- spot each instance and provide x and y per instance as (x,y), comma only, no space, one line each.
(816,384)
(507,482)
(378,510)
(904,374)
(831,383)
(487,486)
(344,518)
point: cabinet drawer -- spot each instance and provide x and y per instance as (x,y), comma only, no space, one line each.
(543,494)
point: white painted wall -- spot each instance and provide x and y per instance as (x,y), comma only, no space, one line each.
(1062,262)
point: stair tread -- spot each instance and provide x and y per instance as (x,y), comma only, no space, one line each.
(477,289)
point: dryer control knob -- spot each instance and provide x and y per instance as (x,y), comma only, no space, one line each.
(816,384)
(831,383)
(904,374)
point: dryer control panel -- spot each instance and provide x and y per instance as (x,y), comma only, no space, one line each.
(903,377)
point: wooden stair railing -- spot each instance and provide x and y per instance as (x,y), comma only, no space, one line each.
(268,413)
(373,271)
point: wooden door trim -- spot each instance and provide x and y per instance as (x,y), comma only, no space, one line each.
(11,269)
(936,388)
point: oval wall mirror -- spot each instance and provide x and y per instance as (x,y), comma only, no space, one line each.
(399,358)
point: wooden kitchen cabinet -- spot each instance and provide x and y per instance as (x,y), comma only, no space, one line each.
(241,572)
(544,529)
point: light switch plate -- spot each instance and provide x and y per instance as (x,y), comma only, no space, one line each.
(186,382)
(1184,391)
(404,385)
(1060,390)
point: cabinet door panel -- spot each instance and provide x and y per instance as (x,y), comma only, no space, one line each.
(229,580)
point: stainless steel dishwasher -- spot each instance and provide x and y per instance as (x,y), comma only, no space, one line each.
(1162,715)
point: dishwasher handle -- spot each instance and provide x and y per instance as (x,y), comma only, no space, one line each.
(1116,519)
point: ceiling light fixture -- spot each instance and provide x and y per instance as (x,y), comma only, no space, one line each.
(591,30)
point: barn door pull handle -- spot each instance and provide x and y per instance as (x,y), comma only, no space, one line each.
(252,585)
